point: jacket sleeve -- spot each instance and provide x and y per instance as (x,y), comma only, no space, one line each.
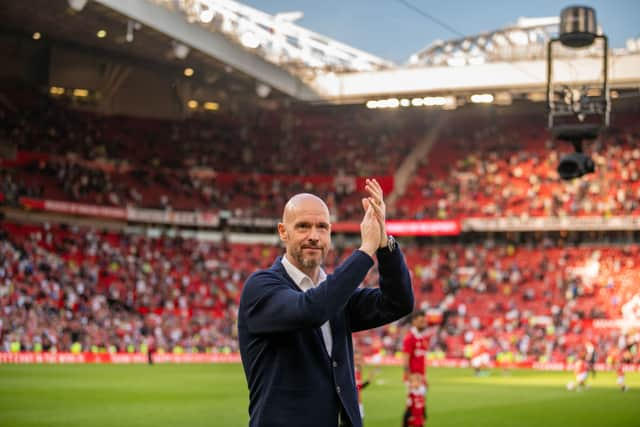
(370,308)
(271,305)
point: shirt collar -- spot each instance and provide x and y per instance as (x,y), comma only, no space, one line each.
(301,280)
(416,332)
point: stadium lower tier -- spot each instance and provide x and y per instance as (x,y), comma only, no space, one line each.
(71,289)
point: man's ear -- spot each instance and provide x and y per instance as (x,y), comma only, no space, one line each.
(282,231)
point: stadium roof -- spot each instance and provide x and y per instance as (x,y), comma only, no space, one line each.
(127,40)
(525,40)
(304,65)
(311,67)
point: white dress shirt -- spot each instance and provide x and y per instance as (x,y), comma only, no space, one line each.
(305,283)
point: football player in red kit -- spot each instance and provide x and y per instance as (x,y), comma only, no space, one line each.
(415,347)
(581,369)
(416,413)
(620,375)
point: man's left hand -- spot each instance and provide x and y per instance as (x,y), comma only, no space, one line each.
(376,200)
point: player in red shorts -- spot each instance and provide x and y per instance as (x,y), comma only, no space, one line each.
(481,357)
(415,347)
(416,413)
(581,369)
(620,376)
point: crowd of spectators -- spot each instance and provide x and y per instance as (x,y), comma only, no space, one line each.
(121,161)
(500,165)
(507,167)
(62,287)
(534,301)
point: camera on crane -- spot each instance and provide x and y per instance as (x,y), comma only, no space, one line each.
(577,110)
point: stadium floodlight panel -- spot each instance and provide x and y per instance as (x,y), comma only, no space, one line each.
(384,103)
(56,90)
(482,98)
(428,101)
(392,102)
(250,40)
(80,93)
(434,100)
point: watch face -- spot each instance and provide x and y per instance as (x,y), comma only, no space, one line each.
(392,243)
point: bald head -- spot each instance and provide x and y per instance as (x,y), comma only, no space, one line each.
(303,203)
(306,232)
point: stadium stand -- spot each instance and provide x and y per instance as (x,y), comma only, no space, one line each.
(483,167)
(67,288)
(120,161)
(506,166)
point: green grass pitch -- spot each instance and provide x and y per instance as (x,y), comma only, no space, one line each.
(216,396)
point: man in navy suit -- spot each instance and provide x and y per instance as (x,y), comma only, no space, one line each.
(295,321)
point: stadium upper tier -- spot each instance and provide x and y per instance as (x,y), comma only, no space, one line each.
(66,288)
(480,164)
(507,167)
(245,162)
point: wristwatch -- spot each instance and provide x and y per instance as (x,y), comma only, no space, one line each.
(391,243)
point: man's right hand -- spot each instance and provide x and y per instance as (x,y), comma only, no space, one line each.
(370,232)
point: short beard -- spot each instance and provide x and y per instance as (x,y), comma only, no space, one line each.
(306,262)
(310,263)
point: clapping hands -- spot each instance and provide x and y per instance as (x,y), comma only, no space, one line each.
(376,200)
(372,228)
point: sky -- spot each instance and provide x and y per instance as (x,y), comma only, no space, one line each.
(391,30)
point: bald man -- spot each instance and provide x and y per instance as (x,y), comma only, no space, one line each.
(295,321)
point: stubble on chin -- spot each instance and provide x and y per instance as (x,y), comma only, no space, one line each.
(308,262)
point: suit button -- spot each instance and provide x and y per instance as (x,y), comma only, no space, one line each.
(335,364)
(338,389)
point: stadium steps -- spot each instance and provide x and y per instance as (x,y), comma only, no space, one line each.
(406,170)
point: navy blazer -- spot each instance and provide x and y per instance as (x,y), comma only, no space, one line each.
(292,380)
